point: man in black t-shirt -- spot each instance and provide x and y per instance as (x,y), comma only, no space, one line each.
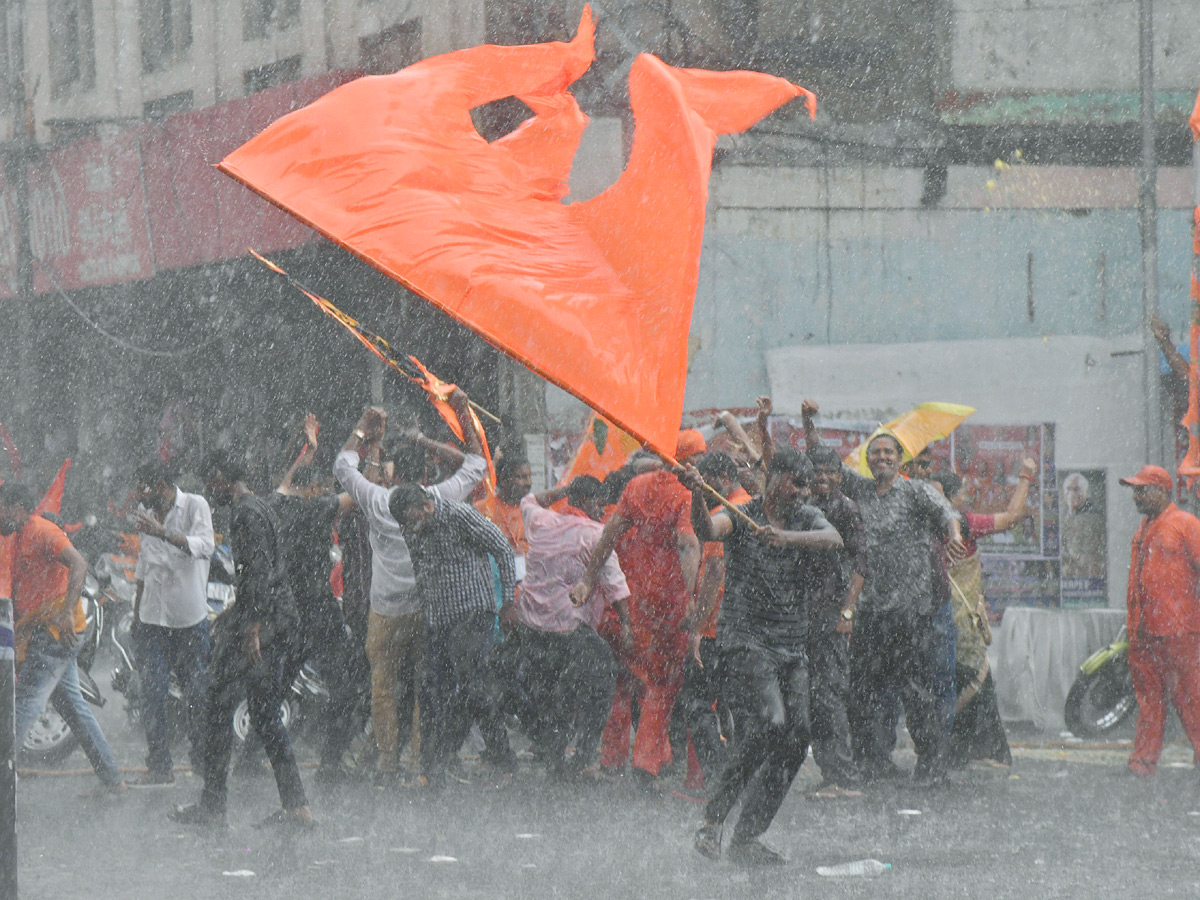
(307,514)
(770,576)
(254,649)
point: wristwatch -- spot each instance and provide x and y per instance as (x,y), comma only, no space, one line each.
(360,434)
(848,615)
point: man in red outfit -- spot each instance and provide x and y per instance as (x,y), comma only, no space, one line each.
(660,565)
(1163,616)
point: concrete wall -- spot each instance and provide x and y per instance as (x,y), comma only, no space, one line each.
(781,268)
(1089,45)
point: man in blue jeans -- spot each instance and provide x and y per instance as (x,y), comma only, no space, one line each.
(170,611)
(47,578)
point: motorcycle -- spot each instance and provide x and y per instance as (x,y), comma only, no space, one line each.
(1102,697)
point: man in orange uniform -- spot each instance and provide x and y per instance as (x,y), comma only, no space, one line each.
(660,567)
(1163,616)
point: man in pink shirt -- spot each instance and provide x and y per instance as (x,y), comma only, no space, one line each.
(570,670)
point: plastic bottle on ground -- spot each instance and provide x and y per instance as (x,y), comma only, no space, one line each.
(860,868)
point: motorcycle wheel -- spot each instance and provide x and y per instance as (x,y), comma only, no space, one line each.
(1099,703)
(50,740)
(241,719)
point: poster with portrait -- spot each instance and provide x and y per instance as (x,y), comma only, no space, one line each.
(1083,537)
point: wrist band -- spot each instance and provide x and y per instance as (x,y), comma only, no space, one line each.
(1028,477)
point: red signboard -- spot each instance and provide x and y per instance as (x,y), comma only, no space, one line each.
(148,200)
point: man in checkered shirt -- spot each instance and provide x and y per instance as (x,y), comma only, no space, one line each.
(451,543)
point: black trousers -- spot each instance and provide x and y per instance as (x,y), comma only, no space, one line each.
(341,662)
(978,732)
(697,713)
(456,690)
(265,685)
(829,673)
(768,691)
(895,654)
(571,677)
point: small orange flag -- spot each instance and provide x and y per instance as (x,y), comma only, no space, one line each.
(596,296)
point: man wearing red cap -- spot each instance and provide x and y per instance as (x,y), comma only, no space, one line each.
(660,567)
(1163,616)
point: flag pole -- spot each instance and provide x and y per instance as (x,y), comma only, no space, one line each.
(367,338)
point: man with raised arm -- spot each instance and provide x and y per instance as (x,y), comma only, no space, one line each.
(394,622)
(570,669)
(895,642)
(771,574)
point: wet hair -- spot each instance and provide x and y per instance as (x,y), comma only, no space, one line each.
(616,481)
(15,493)
(408,463)
(824,456)
(586,487)
(224,462)
(790,461)
(891,437)
(951,483)
(717,464)
(154,471)
(509,462)
(406,496)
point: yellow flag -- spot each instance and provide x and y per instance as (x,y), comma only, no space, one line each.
(915,430)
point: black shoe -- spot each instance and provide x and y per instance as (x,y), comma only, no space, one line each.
(154,780)
(197,814)
(708,841)
(755,853)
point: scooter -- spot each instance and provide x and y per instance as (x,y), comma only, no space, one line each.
(1102,697)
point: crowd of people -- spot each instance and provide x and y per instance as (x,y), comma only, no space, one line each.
(710,616)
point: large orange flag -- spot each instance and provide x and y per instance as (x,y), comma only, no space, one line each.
(594,296)
(1189,467)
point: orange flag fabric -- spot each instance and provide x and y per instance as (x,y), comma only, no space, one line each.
(605,449)
(52,500)
(1194,119)
(594,296)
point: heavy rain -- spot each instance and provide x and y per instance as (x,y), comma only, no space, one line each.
(646,448)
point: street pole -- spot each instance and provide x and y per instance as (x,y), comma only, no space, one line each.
(1148,227)
(8,757)
(21,140)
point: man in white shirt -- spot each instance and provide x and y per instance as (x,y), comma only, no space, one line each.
(394,623)
(170,612)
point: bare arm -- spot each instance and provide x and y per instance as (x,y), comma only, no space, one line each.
(76,572)
(734,427)
(303,458)
(613,531)
(1162,334)
(808,412)
(707,594)
(1016,510)
(849,602)
(764,429)
(461,405)
(707,527)
(551,496)
(824,538)
(689,558)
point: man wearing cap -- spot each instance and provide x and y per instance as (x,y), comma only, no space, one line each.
(660,567)
(1163,616)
